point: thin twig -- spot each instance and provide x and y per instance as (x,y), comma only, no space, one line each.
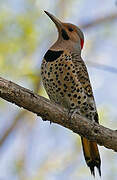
(102,20)
(12,127)
(103,67)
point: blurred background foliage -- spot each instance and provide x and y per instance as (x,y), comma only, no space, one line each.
(31,149)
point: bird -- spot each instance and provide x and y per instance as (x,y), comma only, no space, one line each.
(66,81)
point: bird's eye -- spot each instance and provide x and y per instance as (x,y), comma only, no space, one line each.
(70,29)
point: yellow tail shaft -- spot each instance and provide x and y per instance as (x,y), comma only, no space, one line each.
(91,154)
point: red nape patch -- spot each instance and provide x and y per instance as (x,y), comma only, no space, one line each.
(81,43)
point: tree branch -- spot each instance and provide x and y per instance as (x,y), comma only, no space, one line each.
(56,114)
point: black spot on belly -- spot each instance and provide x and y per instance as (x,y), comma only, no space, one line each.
(96,117)
(64,35)
(52,55)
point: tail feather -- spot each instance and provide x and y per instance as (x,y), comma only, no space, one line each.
(91,154)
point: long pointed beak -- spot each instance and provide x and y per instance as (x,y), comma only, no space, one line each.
(57,22)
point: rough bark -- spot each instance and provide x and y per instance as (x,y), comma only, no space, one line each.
(25,98)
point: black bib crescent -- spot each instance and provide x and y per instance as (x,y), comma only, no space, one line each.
(52,55)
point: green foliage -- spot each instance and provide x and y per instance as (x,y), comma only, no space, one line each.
(18,42)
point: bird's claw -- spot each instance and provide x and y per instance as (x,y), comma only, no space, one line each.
(71,113)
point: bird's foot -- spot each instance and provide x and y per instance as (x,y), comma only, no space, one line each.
(72,112)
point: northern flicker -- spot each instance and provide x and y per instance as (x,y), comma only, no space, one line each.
(67,83)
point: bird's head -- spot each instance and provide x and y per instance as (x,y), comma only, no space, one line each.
(68,32)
